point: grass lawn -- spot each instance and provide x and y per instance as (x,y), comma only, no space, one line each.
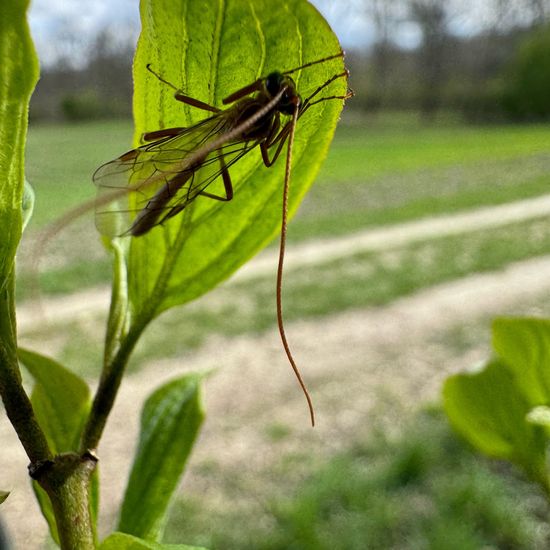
(61,158)
(366,150)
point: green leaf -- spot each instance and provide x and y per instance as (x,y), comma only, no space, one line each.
(524,344)
(211,49)
(47,511)
(122,541)
(170,421)
(19,73)
(541,417)
(4,495)
(61,401)
(489,410)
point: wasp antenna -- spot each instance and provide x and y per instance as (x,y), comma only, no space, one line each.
(335,56)
(282,246)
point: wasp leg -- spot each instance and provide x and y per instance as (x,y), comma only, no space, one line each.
(349,94)
(226,183)
(308,103)
(180,96)
(264,148)
(158,134)
(276,137)
(247,90)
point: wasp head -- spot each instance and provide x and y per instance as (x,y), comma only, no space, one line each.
(290,99)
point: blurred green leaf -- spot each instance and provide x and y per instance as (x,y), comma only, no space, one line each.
(122,541)
(170,421)
(61,401)
(541,417)
(27,205)
(4,495)
(489,410)
(211,50)
(47,511)
(524,345)
(19,76)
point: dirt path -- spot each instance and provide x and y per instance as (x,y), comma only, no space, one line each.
(65,308)
(358,365)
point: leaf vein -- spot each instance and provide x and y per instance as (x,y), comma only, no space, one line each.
(216,42)
(261,36)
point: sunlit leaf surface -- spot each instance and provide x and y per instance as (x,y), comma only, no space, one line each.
(209,50)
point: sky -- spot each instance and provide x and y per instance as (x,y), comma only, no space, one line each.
(51,18)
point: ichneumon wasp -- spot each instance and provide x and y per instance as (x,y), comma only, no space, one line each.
(175,166)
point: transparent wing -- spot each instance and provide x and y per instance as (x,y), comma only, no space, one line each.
(168,167)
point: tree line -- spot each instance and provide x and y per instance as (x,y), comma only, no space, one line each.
(493,72)
(499,70)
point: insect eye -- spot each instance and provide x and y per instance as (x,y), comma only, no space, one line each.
(273,83)
(289,102)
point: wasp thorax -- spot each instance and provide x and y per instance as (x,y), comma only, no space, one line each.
(274,82)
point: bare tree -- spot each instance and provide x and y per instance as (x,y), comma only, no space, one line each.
(109,63)
(90,78)
(539,10)
(432,19)
(504,15)
(384,15)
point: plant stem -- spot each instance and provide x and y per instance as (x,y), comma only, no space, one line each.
(115,361)
(67,482)
(106,392)
(65,478)
(17,403)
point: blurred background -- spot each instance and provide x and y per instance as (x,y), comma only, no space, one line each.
(475,59)
(429,218)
